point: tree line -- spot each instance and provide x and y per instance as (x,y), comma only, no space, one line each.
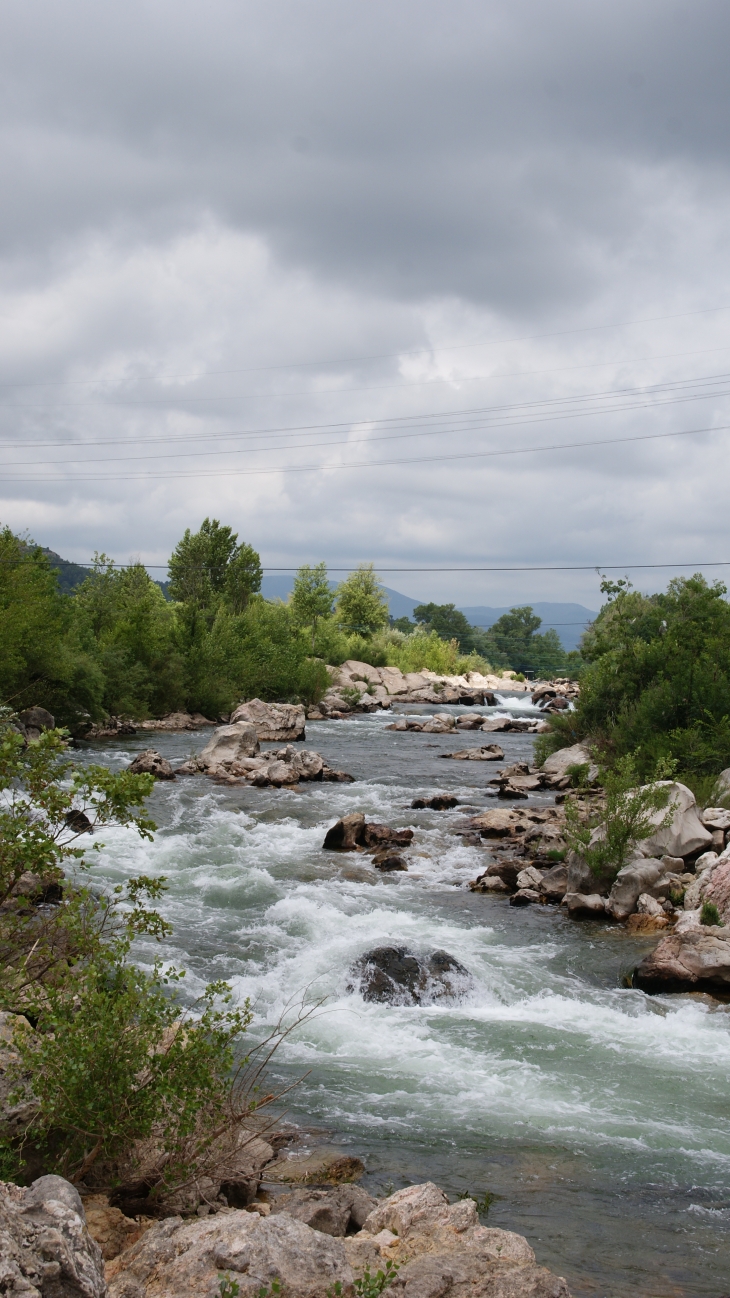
(118,644)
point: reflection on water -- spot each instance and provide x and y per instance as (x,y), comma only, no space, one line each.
(598,1115)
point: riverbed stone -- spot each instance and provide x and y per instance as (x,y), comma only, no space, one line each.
(335,1212)
(581,905)
(554,883)
(557,764)
(397,975)
(151,763)
(695,960)
(346,834)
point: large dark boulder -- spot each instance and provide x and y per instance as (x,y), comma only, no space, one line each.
(399,976)
(151,763)
(33,721)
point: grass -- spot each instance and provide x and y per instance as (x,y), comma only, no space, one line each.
(709,914)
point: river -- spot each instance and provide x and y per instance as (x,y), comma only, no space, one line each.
(597,1115)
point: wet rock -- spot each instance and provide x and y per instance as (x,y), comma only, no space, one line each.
(325,1165)
(336,777)
(487,753)
(272,721)
(375,836)
(581,905)
(346,834)
(695,960)
(638,924)
(648,905)
(389,861)
(489,883)
(151,763)
(78,821)
(176,721)
(403,977)
(524,897)
(494,824)
(507,870)
(333,1212)
(45,1247)
(440,802)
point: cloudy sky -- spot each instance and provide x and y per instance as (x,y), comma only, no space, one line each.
(390,280)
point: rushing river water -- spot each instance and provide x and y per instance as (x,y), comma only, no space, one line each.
(598,1115)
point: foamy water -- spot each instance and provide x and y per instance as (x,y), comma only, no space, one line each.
(598,1113)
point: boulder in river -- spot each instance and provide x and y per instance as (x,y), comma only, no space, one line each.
(151,763)
(400,976)
(487,753)
(556,766)
(439,802)
(695,960)
(582,905)
(388,861)
(639,876)
(353,832)
(273,721)
(228,744)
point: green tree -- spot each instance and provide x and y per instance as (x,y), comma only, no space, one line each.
(210,563)
(657,680)
(362,604)
(311,598)
(447,622)
(39,662)
(510,637)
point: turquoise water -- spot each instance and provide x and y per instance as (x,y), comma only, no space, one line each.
(598,1115)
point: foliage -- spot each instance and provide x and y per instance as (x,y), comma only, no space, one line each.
(368,1285)
(40,663)
(709,914)
(210,563)
(113,1058)
(362,604)
(122,620)
(606,838)
(512,641)
(657,683)
(483,1201)
(311,598)
(448,623)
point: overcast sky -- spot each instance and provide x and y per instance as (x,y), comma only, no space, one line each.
(247,245)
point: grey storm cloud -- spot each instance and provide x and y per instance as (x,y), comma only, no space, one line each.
(219,190)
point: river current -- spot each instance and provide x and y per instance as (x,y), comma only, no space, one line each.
(597,1115)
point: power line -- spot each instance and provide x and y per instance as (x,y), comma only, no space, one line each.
(465,415)
(376,464)
(581,567)
(418,351)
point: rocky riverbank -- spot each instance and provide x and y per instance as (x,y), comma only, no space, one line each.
(307,1244)
(358,687)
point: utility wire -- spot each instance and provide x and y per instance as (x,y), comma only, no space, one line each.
(374,356)
(376,464)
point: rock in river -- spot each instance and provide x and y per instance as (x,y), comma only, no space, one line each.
(273,721)
(695,960)
(400,976)
(151,763)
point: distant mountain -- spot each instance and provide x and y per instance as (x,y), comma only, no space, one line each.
(278,586)
(569,620)
(70,575)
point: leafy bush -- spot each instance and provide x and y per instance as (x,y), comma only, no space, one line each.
(657,683)
(125,1077)
(605,838)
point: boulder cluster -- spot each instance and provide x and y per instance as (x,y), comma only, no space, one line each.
(444,723)
(307,1243)
(354,834)
(358,687)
